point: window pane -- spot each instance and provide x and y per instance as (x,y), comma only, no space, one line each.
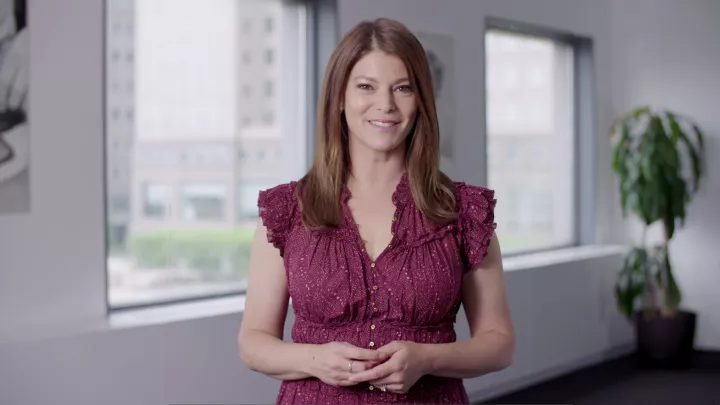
(531,139)
(191,142)
(203,202)
(156,198)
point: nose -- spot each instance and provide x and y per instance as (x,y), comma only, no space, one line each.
(386,101)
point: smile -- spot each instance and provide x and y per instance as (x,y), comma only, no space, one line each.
(383,123)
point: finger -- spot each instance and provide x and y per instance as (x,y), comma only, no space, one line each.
(353,366)
(357,353)
(375,373)
(387,380)
(342,378)
(390,348)
(390,383)
(360,366)
(396,388)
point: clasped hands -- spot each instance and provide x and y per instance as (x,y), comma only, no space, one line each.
(395,367)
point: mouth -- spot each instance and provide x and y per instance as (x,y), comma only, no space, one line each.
(383,123)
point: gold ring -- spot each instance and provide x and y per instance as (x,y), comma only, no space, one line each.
(350,366)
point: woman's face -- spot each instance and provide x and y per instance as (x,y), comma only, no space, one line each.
(380,106)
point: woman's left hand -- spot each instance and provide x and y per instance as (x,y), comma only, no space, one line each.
(408,362)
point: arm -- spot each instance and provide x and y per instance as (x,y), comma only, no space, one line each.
(260,339)
(492,343)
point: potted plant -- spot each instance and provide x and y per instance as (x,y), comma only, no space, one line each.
(658,157)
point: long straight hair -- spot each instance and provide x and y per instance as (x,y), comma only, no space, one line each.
(320,190)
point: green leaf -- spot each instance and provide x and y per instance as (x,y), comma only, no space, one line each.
(701,154)
(674,127)
(694,158)
(673,296)
(639,112)
(632,281)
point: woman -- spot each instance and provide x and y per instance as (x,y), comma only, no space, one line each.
(376,247)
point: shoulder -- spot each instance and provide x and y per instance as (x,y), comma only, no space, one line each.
(278,211)
(471,198)
(281,192)
(278,204)
(476,219)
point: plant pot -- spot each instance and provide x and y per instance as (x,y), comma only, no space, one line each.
(665,341)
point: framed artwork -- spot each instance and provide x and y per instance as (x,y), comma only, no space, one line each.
(14,132)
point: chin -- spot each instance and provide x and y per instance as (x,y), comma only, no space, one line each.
(382,144)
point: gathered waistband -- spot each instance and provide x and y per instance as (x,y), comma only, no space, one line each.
(371,334)
(299,322)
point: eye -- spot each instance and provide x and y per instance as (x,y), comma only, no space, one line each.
(404,89)
(363,86)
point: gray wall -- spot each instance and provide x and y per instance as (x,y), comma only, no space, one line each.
(56,345)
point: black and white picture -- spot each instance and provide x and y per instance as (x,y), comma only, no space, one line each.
(439,50)
(14,133)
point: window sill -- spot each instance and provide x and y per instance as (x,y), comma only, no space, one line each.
(232,305)
(553,257)
(160,314)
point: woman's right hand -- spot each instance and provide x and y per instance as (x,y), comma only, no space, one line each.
(330,362)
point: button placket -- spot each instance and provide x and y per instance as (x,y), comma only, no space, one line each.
(373,302)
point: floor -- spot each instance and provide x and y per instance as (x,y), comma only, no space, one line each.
(623,381)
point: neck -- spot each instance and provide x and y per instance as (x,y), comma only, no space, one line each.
(373,171)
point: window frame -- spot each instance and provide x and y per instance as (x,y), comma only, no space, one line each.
(322,35)
(583,177)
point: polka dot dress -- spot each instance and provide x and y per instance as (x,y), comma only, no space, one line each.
(411,291)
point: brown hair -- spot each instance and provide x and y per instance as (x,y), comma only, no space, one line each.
(320,190)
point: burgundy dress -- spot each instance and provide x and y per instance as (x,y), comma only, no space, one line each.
(411,292)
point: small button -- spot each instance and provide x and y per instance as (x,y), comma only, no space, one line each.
(394,219)
(374,309)
(371,388)
(372,327)
(372,344)
(375,287)
(372,264)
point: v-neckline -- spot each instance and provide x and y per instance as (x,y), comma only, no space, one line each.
(355,228)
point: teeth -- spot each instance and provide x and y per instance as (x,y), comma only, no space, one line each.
(382,124)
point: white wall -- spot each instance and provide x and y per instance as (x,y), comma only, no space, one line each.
(55,344)
(665,53)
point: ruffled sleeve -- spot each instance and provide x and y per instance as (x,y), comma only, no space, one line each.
(277,208)
(477,222)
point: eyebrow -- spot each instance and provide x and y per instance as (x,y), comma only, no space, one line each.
(370,79)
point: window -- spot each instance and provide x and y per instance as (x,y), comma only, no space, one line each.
(532,116)
(155,200)
(203,202)
(191,205)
